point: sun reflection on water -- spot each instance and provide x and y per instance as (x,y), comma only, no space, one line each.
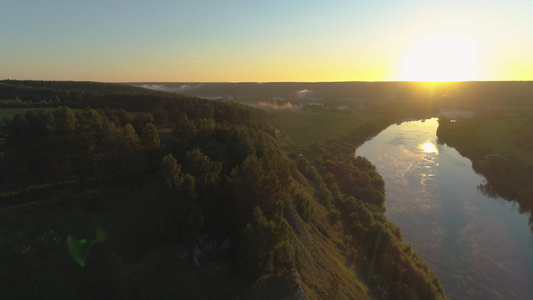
(428,147)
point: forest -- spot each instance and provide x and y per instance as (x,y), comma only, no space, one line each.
(117,192)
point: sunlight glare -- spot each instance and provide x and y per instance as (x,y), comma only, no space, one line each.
(441,57)
(428,147)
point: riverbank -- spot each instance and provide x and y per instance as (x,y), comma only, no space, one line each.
(473,242)
(500,147)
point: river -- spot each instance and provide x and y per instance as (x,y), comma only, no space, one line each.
(480,247)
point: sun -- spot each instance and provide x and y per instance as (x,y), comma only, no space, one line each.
(441,57)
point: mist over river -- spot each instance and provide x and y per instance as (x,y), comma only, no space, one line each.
(480,247)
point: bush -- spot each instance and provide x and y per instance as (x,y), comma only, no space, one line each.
(334,215)
(303,205)
(282,256)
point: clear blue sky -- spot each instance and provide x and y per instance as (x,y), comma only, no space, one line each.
(250,40)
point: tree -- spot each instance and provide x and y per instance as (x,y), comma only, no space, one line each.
(303,205)
(266,243)
(170,171)
(90,135)
(160,117)
(201,166)
(141,120)
(179,213)
(150,136)
(184,127)
(64,121)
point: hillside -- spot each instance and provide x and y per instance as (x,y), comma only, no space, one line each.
(123,193)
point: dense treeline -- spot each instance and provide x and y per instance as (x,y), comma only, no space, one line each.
(229,171)
(189,172)
(509,173)
(165,107)
(70,93)
(43,146)
(218,176)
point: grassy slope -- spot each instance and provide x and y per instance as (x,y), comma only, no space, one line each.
(9,112)
(329,273)
(499,134)
(326,271)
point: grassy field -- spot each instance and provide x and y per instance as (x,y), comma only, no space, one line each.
(304,127)
(503,135)
(9,112)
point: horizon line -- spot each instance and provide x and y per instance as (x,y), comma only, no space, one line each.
(263,82)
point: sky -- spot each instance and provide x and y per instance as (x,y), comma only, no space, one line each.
(266,41)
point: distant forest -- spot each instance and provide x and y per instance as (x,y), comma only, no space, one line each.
(457,94)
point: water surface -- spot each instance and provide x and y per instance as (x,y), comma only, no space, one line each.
(480,247)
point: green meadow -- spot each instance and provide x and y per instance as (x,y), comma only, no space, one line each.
(304,127)
(9,112)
